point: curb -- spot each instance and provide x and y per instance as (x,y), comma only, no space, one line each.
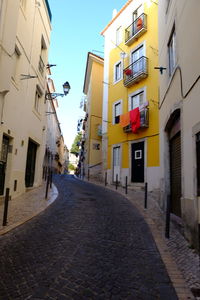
(51,198)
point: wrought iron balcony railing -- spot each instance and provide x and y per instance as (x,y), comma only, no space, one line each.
(136,29)
(144,120)
(136,71)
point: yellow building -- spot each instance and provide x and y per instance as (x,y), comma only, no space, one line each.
(91,144)
(130,96)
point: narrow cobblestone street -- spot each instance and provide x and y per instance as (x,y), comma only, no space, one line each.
(91,243)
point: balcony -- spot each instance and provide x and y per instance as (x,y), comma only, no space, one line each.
(136,29)
(135,72)
(144,120)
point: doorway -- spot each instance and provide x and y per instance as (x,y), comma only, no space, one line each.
(137,162)
(3,162)
(116,164)
(198,162)
(137,60)
(30,163)
(173,128)
(175,174)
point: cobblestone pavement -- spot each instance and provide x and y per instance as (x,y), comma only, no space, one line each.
(26,206)
(91,243)
(184,257)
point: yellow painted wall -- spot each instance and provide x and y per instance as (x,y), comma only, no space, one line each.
(119,92)
(95,155)
(125,151)
(153,159)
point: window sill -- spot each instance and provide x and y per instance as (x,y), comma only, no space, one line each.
(115,82)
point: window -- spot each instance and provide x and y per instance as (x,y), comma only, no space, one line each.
(116,112)
(118,35)
(23,4)
(137,60)
(136,15)
(96,146)
(118,71)
(42,57)
(137,12)
(172,51)
(38,95)
(16,59)
(136,99)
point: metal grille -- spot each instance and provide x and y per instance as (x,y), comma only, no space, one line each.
(175,173)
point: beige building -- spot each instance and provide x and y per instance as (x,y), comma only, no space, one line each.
(179,111)
(56,154)
(25,28)
(91,145)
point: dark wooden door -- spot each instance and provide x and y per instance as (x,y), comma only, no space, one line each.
(175,174)
(3,162)
(30,164)
(198,162)
(137,170)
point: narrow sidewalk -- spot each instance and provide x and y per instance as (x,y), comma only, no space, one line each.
(27,206)
(182,262)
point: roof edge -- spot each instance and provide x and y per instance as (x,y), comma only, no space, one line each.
(90,54)
(117,15)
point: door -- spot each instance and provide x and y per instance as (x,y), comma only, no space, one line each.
(137,168)
(136,15)
(137,60)
(175,174)
(198,162)
(3,162)
(30,164)
(116,164)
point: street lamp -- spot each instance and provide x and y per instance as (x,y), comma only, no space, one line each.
(66,88)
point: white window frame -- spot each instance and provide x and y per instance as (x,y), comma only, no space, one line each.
(119,102)
(118,171)
(172,58)
(134,94)
(143,44)
(37,100)
(117,79)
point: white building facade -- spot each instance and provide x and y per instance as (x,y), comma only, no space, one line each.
(24,44)
(179,111)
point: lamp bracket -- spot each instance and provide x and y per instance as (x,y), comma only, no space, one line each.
(160,69)
(52,96)
(28,76)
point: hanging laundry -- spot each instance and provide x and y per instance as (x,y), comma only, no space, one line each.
(125,119)
(135,119)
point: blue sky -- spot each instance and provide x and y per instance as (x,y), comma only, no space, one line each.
(76,27)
